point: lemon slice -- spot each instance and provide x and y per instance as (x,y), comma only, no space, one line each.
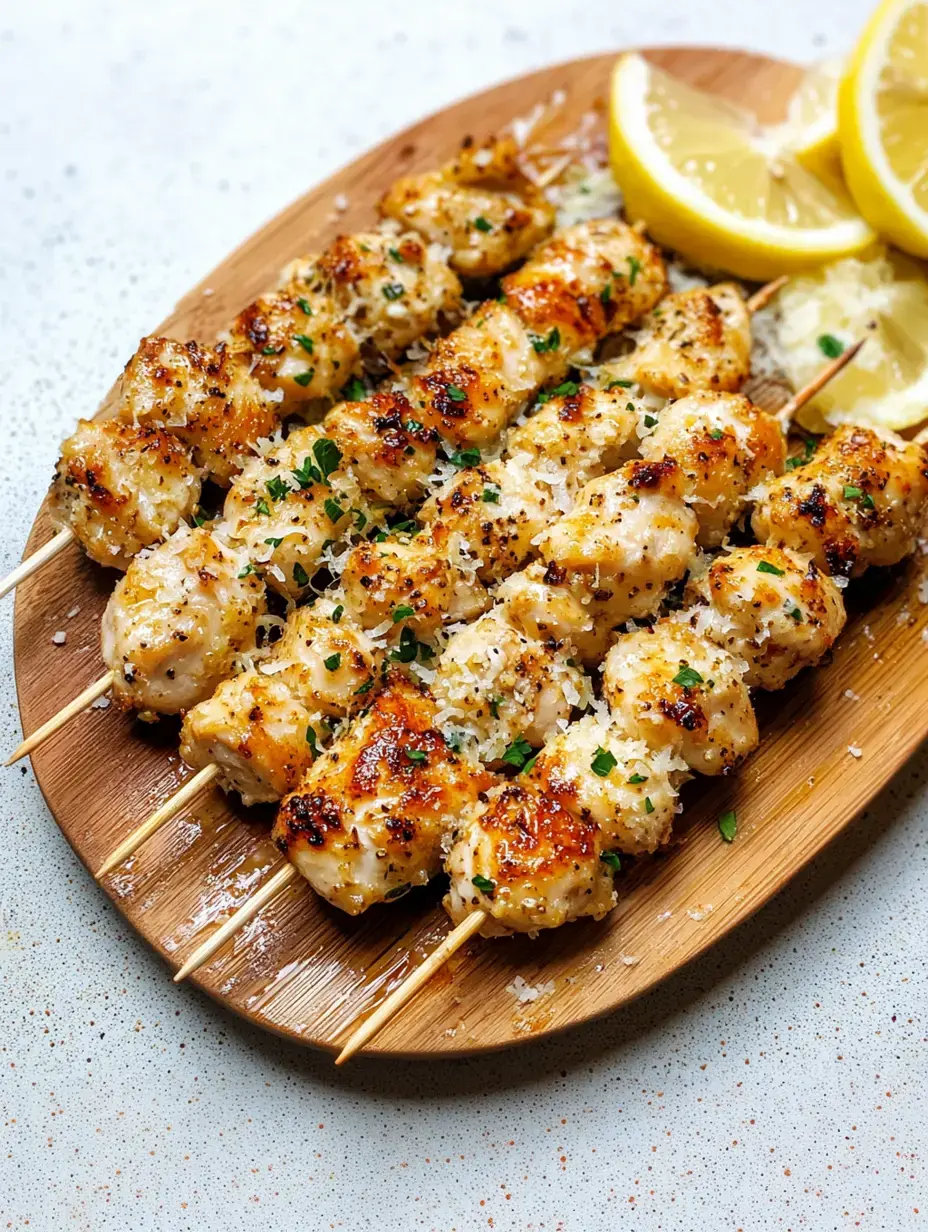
(883,299)
(883,123)
(714,186)
(810,131)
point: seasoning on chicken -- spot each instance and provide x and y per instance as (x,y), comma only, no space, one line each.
(204,396)
(856,504)
(120,488)
(769,607)
(480,205)
(178,620)
(368,818)
(527,862)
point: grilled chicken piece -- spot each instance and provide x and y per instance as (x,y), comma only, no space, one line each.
(770,607)
(698,339)
(204,396)
(495,687)
(857,503)
(325,660)
(120,488)
(290,504)
(367,821)
(611,559)
(674,690)
(480,205)
(623,785)
(725,446)
(390,451)
(527,862)
(178,620)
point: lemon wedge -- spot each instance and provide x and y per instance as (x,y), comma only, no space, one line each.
(883,299)
(810,131)
(713,185)
(883,123)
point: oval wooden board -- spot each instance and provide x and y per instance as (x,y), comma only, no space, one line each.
(305,970)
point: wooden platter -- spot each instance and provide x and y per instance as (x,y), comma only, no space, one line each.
(303,969)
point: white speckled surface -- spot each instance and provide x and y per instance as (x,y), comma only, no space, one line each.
(777,1083)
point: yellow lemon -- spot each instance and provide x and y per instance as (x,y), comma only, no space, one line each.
(883,299)
(810,131)
(713,185)
(883,123)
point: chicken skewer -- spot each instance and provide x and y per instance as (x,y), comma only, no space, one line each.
(497,509)
(367,297)
(473,383)
(320,835)
(678,699)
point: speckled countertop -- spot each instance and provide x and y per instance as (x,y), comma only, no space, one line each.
(779,1082)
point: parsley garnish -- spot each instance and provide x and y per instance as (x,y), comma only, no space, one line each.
(413,425)
(613,859)
(809,446)
(728,826)
(648,806)
(550,343)
(603,762)
(332,663)
(687,677)
(274,542)
(271,350)
(462,458)
(638,778)
(401,612)
(484,884)
(518,753)
(337,614)
(482,225)
(305,305)
(394,290)
(261,506)
(764,566)
(397,256)
(852,493)
(300,576)
(830,346)
(649,420)
(304,342)
(796,615)
(249,568)
(716,434)
(494,706)
(365,688)
(333,509)
(605,294)
(491,495)
(311,740)
(354,390)
(303,378)
(278,489)
(455,393)
(620,384)
(634,268)
(419,756)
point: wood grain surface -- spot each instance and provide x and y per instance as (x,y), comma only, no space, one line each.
(307,971)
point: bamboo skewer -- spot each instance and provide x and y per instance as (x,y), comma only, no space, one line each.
(169,809)
(64,716)
(786,413)
(410,986)
(396,1000)
(238,919)
(33,563)
(762,297)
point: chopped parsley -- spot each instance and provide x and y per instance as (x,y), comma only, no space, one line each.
(300,576)
(518,753)
(305,305)
(304,342)
(278,489)
(809,446)
(716,434)
(274,541)
(619,385)
(200,518)
(605,294)
(401,612)
(613,859)
(337,614)
(311,740)
(549,343)
(303,378)
(419,756)
(648,806)
(462,458)
(494,706)
(728,826)
(491,495)
(852,493)
(332,663)
(830,346)
(394,290)
(413,425)
(249,568)
(764,566)
(634,269)
(455,393)
(796,615)
(483,884)
(261,506)
(482,225)
(397,256)
(603,762)
(327,455)
(333,509)
(687,677)
(566,389)
(649,420)
(638,778)
(354,390)
(365,687)
(271,350)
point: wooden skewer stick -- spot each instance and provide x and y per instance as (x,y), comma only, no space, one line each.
(410,986)
(238,919)
(65,715)
(785,413)
(33,563)
(760,299)
(922,437)
(169,809)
